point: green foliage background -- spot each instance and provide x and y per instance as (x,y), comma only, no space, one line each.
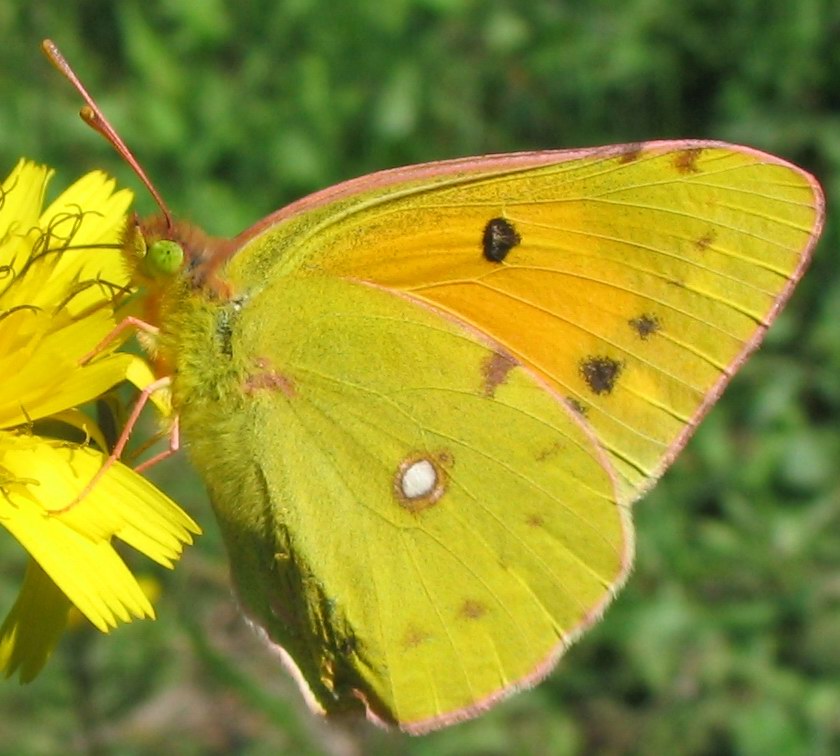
(727,638)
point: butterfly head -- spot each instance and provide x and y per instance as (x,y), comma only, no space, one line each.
(160,252)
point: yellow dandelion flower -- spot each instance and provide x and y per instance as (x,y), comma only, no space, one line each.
(61,272)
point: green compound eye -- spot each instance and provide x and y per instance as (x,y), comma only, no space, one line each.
(164,258)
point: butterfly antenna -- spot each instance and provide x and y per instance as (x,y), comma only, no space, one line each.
(93,117)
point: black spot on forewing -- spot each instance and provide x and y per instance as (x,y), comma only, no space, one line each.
(600,373)
(645,325)
(499,238)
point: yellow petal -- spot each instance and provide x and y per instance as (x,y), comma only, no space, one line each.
(33,626)
(89,572)
(62,276)
(21,197)
(151,522)
(94,194)
(87,214)
(73,546)
(79,420)
(44,375)
(63,270)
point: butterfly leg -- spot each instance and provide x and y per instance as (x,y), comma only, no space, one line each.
(174,443)
(123,325)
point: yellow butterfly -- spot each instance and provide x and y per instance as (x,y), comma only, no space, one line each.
(423,401)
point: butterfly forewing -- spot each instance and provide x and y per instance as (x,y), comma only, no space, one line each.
(636,280)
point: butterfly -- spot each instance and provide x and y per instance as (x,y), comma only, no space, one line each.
(423,401)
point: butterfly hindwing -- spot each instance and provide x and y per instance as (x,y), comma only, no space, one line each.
(428,607)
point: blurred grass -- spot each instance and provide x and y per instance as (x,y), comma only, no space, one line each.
(727,638)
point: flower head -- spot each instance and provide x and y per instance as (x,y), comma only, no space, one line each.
(61,278)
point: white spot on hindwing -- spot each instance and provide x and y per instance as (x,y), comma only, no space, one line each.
(421,480)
